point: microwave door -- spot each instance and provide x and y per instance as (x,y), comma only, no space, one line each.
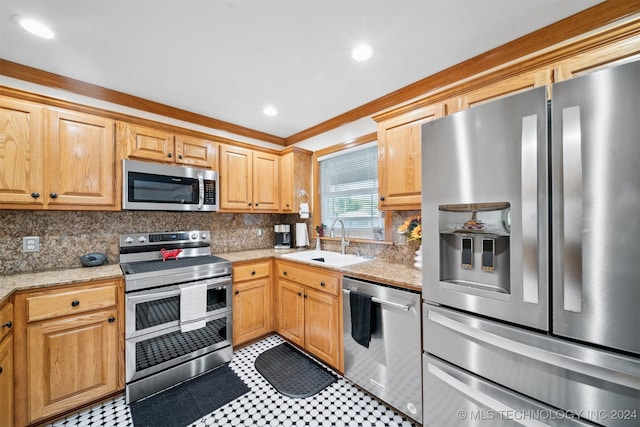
(596,205)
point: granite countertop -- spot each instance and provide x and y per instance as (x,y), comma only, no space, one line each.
(376,270)
(69,276)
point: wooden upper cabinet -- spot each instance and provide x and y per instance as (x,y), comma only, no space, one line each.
(21,153)
(145,143)
(295,176)
(248,180)
(596,59)
(399,158)
(265,182)
(506,87)
(55,159)
(80,164)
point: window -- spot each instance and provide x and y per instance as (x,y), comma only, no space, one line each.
(348,190)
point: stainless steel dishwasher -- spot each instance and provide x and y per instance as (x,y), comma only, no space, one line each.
(391,366)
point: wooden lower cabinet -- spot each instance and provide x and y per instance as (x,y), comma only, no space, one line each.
(252,314)
(72,355)
(309,310)
(6,366)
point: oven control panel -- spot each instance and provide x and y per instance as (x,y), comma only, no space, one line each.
(142,239)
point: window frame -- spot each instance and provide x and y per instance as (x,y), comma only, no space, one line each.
(317,217)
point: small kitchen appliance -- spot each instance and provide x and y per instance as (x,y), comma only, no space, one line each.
(283,236)
(178,309)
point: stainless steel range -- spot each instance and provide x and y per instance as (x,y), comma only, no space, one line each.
(178,309)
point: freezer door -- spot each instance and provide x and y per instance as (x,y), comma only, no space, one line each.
(453,397)
(602,386)
(596,207)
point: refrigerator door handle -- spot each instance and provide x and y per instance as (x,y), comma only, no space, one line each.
(539,354)
(572,209)
(479,397)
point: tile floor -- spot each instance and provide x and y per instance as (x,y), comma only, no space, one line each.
(340,404)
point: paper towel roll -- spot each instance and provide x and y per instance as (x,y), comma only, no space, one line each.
(302,235)
(304,210)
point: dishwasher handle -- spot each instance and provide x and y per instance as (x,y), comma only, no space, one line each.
(405,307)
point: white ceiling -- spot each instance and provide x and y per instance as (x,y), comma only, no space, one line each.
(227,59)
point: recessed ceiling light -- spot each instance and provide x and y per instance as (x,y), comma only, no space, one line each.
(270,110)
(35,27)
(362,52)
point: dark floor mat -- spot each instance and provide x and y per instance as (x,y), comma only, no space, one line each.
(293,373)
(189,401)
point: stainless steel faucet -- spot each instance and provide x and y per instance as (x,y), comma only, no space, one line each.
(343,242)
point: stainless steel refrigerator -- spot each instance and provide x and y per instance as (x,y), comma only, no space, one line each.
(531,257)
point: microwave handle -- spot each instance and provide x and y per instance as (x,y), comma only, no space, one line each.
(200,191)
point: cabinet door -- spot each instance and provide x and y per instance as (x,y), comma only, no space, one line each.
(6,382)
(195,152)
(265,182)
(286,184)
(399,159)
(21,153)
(251,310)
(291,311)
(71,361)
(81,160)
(322,326)
(235,178)
(146,143)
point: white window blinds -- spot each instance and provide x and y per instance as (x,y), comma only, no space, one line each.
(349,191)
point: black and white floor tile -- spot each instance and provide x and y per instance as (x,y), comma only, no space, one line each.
(340,404)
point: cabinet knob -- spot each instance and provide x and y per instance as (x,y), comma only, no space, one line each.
(9,324)
(35,194)
(322,284)
(305,296)
(249,203)
(111,319)
(287,204)
(299,294)
(382,199)
(284,273)
(0,369)
(257,204)
(180,156)
(169,155)
(237,292)
(75,303)
(253,273)
(53,195)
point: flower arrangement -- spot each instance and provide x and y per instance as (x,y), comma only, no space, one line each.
(320,229)
(412,228)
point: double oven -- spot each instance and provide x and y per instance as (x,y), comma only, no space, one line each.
(178,309)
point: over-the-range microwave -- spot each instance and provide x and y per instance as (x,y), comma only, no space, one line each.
(159,187)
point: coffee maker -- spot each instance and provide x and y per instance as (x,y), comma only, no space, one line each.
(283,236)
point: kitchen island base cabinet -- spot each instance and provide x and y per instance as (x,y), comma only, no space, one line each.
(69,348)
(309,311)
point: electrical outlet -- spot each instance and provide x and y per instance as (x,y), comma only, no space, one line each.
(31,244)
(259,232)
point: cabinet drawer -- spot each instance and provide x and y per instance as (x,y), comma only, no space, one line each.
(251,271)
(76,301)
(312,277)
(6,320)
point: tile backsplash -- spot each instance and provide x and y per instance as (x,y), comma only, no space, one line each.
(65,236)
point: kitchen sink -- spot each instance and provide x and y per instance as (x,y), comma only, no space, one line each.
(333,259)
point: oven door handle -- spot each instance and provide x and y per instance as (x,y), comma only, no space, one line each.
(151,296)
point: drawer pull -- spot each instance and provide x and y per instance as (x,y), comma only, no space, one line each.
(284,272)
(9,324)
(35,194)
(75,303)
(53,195)
(322,284)
(237,292)
(253,273)
(0,369)
(111,319)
